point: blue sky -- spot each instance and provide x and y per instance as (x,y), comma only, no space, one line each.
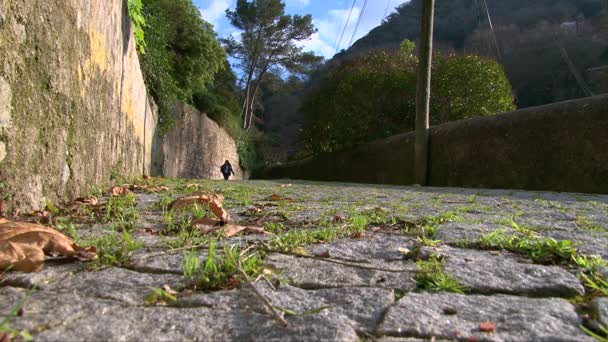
(329,17)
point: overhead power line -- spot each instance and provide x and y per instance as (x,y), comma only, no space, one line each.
(345,25)
(388,4)
(492,29)
(339,27)
(357,25)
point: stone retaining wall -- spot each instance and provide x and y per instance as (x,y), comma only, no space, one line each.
(73,105)
(559,147)
(197,147)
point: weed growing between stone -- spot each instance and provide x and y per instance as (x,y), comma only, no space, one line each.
(114,249)
(159,296)
(595,282)
(6,332)
(426,229)
(121,210)
(599,338)
(432,277)
(589,264)
(585,223)
(547,250)
(220,271)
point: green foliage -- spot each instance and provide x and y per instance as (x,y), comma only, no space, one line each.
(221,271)
(589,264)
(540,250)
(374,96)
(182,55)
(432,277)
(293,240)
(599,338)
(596,283)
(139,24)
(268,40)
(114,249)
(121,210)
(159,296)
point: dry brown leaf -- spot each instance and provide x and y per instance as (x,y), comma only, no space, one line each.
(233,229)
(285,185)
(277,197)
(214,201)
(338,219)
(1,208)
(154,189)
(23,246)
(80,202)
(119,191)
(207,225)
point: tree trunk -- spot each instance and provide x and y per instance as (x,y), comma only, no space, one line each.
(423,93)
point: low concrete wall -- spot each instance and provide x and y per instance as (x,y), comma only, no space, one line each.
(560,147)
(197,147)
(73,105)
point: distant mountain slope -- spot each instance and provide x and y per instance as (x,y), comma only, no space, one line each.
(530,35)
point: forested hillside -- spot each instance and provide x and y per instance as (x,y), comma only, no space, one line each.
(528,41)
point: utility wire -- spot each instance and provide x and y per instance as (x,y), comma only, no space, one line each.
(357,25)
(388,3)
(492,29)
(345,25)
(339,27)
(577,76)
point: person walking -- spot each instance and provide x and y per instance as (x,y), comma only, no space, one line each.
(226,170)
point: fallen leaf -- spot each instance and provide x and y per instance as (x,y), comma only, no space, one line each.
(285,185)
(487,327)
(119,191)
(80,202)
(154,189)
(233,229)
(275,197)
(338,219)
(1,208)
(214,201)
(206,225)
(23,246)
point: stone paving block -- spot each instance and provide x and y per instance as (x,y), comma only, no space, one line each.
(490,272)
(376,248)
(117,284)
(51,273)
(317,274)
(454,232)
(43,310)
(366,306)
(200,324)
(455,316)
(159,262)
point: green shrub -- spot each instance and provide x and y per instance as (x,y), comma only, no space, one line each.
(374,96)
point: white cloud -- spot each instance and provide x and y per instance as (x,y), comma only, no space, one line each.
(331,27)
(215,12)
(301,3)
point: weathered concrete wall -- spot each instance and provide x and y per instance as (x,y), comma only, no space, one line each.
(560,147)
(73,104)
(197,147)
